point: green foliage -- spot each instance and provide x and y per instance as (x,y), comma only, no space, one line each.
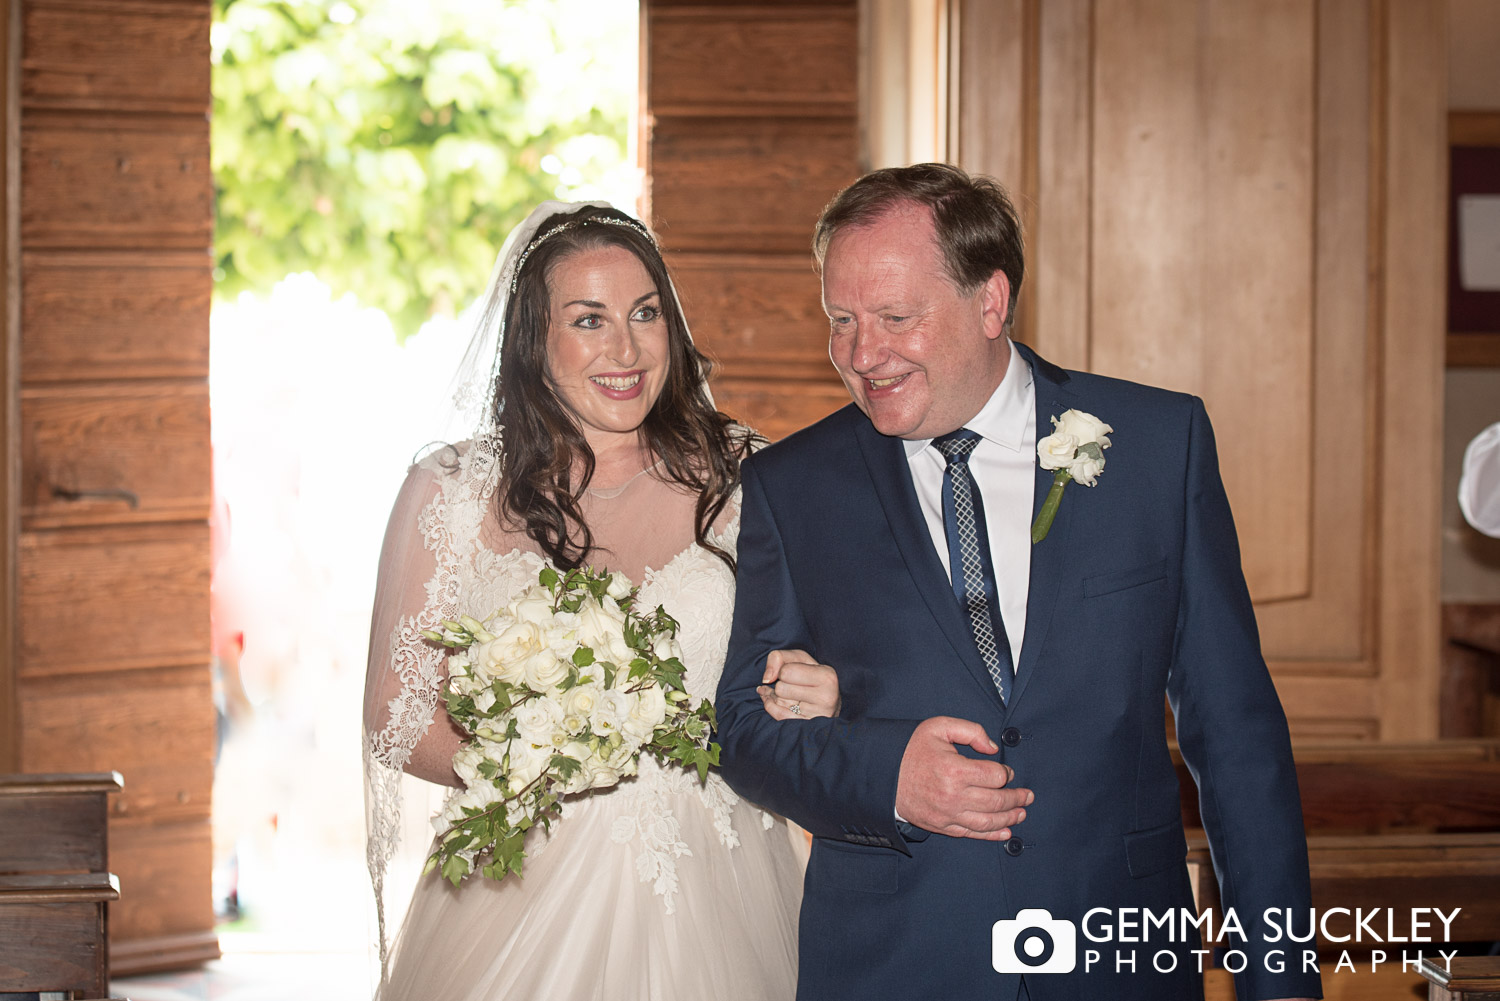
(389,145)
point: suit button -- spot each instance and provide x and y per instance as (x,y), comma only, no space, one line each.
(1014,846)
(1011,737)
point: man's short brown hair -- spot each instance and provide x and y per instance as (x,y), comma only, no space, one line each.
(977,227)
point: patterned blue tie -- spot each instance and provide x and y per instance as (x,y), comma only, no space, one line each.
(969,562)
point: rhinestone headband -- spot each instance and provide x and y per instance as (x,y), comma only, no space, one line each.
(573,224)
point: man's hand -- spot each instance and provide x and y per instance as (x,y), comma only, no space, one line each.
(942,791)
(794,678)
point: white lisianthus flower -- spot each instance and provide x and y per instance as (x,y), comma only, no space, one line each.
(649,710)
(466,764)
(580,782)
(619,586)
(1056,451)
(1084,427)
(1085,469)
(538,719)
(527,762)
(666,647)
(484,699)
(611,712)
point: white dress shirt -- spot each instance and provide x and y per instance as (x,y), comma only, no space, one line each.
(1004,466)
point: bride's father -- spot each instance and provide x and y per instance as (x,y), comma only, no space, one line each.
(1002,750)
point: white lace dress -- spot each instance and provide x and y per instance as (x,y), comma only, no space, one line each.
(659,888)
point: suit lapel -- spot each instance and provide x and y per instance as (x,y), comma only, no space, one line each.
(886,459)
(1049,558)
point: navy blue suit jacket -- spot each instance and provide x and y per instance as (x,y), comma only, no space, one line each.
(1136,594)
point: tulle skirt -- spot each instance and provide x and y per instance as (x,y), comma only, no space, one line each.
(586,921)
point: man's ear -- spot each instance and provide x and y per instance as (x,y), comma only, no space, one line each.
(994,304)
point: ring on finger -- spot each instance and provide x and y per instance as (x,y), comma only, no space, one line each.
(796,709)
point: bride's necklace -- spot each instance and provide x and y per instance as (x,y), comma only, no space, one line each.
(609,493)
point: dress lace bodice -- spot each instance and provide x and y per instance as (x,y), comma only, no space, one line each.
(444,562)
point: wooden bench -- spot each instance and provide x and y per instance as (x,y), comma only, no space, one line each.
(55,886)
(1467,978)
(1388,825)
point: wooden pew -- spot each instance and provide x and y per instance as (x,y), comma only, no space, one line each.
(54,883)
(1388,825)
(1467,978)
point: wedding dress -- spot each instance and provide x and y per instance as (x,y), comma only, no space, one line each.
(659,888)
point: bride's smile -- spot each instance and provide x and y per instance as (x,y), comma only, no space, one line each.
(607,354)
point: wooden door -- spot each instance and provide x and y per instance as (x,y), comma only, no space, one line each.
(115,226)
(750,121)
(1245,201)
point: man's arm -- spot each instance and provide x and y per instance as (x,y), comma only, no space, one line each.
(835,777)
(841,778)
(1232,731)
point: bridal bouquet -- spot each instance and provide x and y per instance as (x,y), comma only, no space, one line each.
(561,691)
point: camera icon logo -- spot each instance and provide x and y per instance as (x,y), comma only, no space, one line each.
(1034,942)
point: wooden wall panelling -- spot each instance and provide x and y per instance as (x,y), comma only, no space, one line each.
(10,382)
(1212,207)
(751,118)
(115,228)
(1413,289)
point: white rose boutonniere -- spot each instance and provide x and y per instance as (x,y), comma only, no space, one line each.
(1074,451)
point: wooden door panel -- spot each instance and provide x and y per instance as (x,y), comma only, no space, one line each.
(156,728)
(115,226)
(757,316)
(108,599)
(161,868)
(114,452)
(1213,209)
(736,184)
(94,182)
(1203,262)
(109,54)
(752,128)
(753,56)
(151,308)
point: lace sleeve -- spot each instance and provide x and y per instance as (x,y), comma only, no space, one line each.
(416,588)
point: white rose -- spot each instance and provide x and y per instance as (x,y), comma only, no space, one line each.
(595,628)
(649,710)
(610,712)
(619,586)
(1056,451)
(1085,469)
(545,669)
(505,657)
(532,607)
(1084,427)
(581,700)
(538,719)
(601,773)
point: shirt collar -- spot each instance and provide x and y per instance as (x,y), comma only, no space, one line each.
(1006,415)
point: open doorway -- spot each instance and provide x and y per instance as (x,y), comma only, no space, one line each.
(369,158)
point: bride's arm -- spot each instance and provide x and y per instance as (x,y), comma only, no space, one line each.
(403,716)
(796,686)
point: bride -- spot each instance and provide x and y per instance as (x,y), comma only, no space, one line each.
(594,442)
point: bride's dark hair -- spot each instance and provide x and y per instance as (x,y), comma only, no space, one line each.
(697,446)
